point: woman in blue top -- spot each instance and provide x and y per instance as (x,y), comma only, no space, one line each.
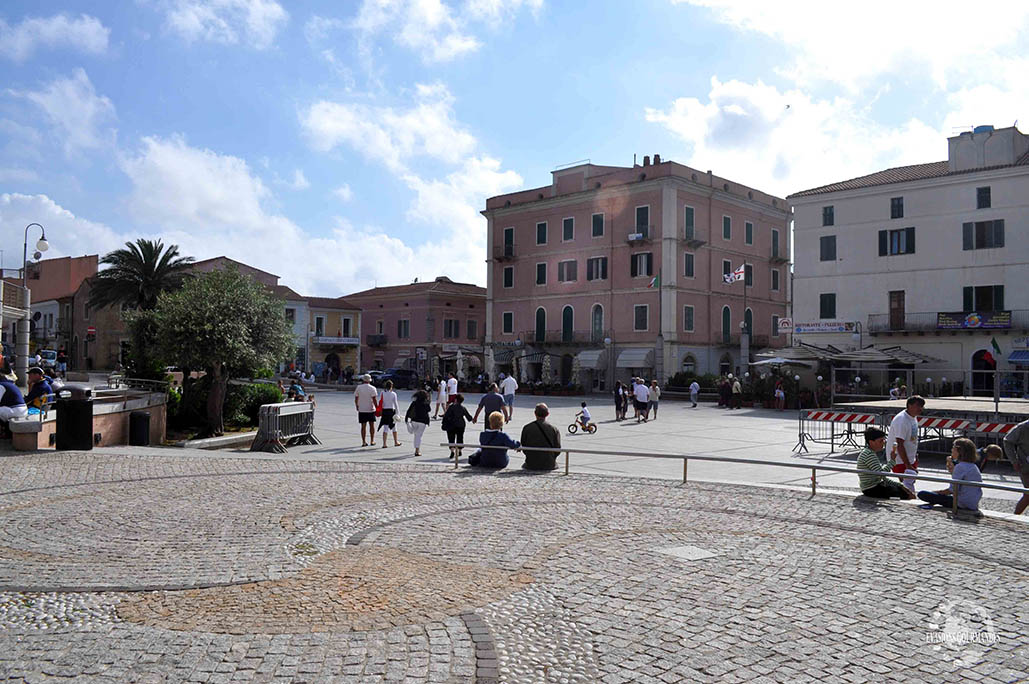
(495,457)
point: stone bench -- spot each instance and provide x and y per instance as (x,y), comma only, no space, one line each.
(32,433)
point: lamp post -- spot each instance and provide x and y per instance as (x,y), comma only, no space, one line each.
(23,324)
(796,379)
(610,366)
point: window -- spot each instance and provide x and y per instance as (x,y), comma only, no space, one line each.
(378,327)
(748,233)
(983,298)
(689,364)
(687,318)
(982,234)
(596,268)
(690,230)
(509,276)
(828,216)
(640,316)
(568,229)
(982,198)
(775,280)
(775,326)
(540,334)
(726,268)
(541,233)
(726,228)
(896,207)
(347,323)
(775,242)
(291,316)
(567,323)
(827,305)
(643,220)
(566,271)
(451,328)
(641,264)
(827,248)
(473,329)
(507,322)
(900,241)
(319,326)
(598,225)
(748,322)
(541,274)
(403,329)
(726,325)
(597,321)
(748,275)
(688,265)
(509,242)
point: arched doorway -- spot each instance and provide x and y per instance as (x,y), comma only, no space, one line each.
(597,323)
(726,324)
(689,364)
(725,365)
(748,321)
(567,319)
(541,325)
(982,381)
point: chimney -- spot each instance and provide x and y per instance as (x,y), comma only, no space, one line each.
(657,158)
(646,160)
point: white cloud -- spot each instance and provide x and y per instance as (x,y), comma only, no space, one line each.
(256,22)
(388,135)
(81,117)
(427,27)
(83,33)
(299,181)
(496,10)
(746,132)
(344,193)
(68,235)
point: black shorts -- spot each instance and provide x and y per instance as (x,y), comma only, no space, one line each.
(366,416)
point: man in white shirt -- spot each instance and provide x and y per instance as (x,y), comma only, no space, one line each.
(902,439)
(451,389)
(694,392)
(642,393)
(508,387)
(364,400)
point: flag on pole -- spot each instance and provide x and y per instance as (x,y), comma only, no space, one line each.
(655,281)
(996,347)
(735,276)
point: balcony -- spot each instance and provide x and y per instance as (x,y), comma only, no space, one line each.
(571,338)
(504,253)
(376,340)
(930,322)
(727,339)
(778,258)
(640,235)
(693,238)
(325,339)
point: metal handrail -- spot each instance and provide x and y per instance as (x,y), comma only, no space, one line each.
(729,459)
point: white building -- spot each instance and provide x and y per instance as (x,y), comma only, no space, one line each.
(933,257)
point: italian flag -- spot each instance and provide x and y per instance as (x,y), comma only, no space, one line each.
(655,281)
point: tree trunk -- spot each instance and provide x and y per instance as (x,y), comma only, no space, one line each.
(216,400)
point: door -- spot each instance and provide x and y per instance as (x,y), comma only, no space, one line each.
(509,242)
(897,310)
(541,325)
(598,324)
(566,324)
(984,367)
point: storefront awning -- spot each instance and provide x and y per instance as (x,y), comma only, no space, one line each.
(592,359)
(1019,356)
(636,358)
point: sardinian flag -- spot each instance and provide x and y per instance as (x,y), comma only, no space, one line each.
(736,275)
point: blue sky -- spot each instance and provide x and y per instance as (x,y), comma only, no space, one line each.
(344,144)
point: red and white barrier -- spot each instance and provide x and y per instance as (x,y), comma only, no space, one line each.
(995,428)
(841,417)
(944,423)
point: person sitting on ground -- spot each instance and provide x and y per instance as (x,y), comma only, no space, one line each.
(583,416)
(1016,447)
(963,452)
(541,434)
(453,424)
(878,486)
(493,444)
(491,401)
(40,391)
(12,402)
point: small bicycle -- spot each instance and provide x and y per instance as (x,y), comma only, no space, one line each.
(576,426)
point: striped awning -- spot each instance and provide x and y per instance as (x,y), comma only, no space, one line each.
(592,359)
(639,357)
(1020,356)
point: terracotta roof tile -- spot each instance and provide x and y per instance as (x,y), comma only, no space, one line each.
(440,285)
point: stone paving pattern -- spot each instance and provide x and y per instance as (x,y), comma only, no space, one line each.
(133,565)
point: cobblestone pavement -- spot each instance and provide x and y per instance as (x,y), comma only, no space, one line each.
(133,565)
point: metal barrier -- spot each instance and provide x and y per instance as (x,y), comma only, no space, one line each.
(821,427)
(728,459)
(284,425)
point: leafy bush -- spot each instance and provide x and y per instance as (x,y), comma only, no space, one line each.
(708,381)
(242,404)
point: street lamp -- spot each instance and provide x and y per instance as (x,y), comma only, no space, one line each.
(796,379)
(41,246)
(23,325)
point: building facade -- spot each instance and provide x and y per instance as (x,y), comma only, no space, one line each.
(52,285)
(334,335)
(932,257)
(611,271)
(429,327)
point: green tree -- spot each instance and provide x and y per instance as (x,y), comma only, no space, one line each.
(227,323)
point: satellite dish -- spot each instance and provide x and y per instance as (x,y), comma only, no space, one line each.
(37,315)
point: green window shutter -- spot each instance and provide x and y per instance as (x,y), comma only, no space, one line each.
(968,298)
(633,272)
(910,239)
(884,243)
(998,233)
(967,236)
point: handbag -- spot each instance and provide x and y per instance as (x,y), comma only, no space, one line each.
(378,408)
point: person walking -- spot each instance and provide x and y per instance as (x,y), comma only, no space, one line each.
(655,397)
(1016,448)
(508,387)
(694,392)
(365,396)
(454,423)
(441,396)
(642,400)
(387,422)
(737,394)
(451,389)
(417,418)
(619,395)
(902,439)
(490,402)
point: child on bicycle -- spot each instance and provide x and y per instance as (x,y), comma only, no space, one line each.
(583,416)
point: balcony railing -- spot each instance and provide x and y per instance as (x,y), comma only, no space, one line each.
(724,339)
(928,322)
(504,252)
(568,337)
(694,238)
(377,340)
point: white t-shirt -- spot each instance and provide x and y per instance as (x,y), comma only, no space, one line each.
(442,390)
(894,393)
(694,387)
(585,415)
(508,385)
(451,387)
(904,426)
(642,393)
(389,399)
(366,396)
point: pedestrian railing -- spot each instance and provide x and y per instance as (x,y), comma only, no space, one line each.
(829,426)
(814,468)
(284,425)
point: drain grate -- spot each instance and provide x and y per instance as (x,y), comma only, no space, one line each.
(690,553)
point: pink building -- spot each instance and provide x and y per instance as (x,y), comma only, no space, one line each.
(424,327)
(573,266)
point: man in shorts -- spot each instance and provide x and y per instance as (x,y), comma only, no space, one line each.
(451,389)
(508,387)
(364,400)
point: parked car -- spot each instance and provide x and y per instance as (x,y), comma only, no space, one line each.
(49,357)
(402,378)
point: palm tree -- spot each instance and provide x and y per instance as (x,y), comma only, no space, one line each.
(138,274)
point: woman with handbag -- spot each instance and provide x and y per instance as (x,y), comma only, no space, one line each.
(388,404)
(417,418)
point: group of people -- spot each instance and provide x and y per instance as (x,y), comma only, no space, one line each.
(42,388)
(644,398)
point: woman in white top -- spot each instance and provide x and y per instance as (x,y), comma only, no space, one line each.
(441,396)
(387,423)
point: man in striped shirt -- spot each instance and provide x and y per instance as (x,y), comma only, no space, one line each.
(878,486)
